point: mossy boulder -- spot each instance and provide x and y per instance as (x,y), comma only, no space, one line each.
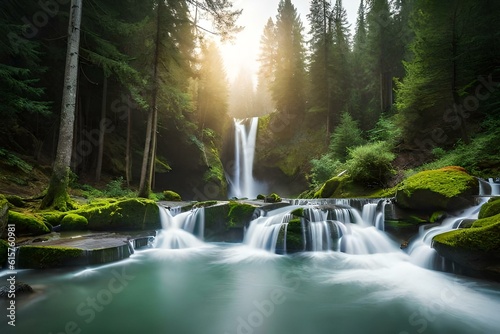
(294,242)
(239,214)
(490,208)
(41,257)
(476,249)
(4,246)
(16,201)
(272,198)
(172,196)
(329,188)
(27,224)
(447,189)
(121,214)
(226,221)
(74,222)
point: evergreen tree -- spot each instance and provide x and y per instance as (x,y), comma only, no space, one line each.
(288,88)
(267,58)
(21,98)
(212,90)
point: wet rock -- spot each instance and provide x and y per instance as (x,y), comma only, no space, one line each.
(19,288)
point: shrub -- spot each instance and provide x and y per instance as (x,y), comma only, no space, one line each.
(371,164)
(324,168)
(74,222)
(172,196)
(346,135)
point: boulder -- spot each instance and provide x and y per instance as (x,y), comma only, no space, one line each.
(447,189)
(27,224)
(121,215)
(476,249)
(74,222)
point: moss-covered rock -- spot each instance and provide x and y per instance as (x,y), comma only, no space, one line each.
(272,198)
(121,214)
(294,236)
(172,196)
(27,224)
(239,214)
(328,188)
(476,249)
(17,201)
(41,257)
(74,222)
(491,208)
(226,221)
(4,246)
(448,189)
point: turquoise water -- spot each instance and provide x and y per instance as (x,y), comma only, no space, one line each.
(227,289)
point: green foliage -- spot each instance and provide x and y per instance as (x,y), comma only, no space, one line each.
(170,195)
(14,161)
(371,164)
(345,136)
(324,168)
(385,130)
(113,189)
(74,222)
(476,156)
(491,208)
(27,224)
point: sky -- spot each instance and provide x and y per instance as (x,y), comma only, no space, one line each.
(244,51)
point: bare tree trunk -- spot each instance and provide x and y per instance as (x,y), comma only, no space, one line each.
(150,145)
(57,193)
(128,158)
(101,130)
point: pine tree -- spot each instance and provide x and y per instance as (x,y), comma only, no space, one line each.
(288,88)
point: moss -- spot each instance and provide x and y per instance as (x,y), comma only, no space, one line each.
(74,222)
(4,246)
(121,214)
(491,208)
(436,216)
(328,188)
(205,204)
(40,257)
(53,217)
(485,239)
(261,197)
(172,196)
(17,201)
(238,213)
(487,221)
(449,188)
(294,236)
(299,212)
(273,198)
(27,224)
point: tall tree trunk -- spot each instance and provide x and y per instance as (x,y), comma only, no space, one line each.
(57,193)
(128,158)
(150,145)
(327,75)
(101,130)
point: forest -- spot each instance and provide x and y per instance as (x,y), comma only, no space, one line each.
(415,87)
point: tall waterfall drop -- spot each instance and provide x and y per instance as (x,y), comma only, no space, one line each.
(243,183)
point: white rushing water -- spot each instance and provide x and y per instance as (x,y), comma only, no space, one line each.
(242,184)
(179,230)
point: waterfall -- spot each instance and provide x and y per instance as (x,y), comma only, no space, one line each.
(179,231)
(330,228)
(242,184)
